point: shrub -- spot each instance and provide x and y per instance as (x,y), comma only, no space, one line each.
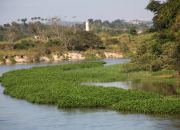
(1,38)
(12,59)
(111,41)
(178,90)
(24,45)
(133,67)
(37,56)
(2,59)
(52,42)
(123,47)
(133,31)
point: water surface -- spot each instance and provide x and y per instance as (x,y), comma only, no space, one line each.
(164,89)
(19,114)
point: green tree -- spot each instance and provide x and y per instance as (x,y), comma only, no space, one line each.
(7,25)
(89,38)
(24,20)
(164,14)
(133,31)
(32,19)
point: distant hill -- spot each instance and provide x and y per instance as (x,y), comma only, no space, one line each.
(67,23)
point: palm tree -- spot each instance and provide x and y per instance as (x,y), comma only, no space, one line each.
(24,20)
(39,18)
(42,20)
(32,19)
(35,18)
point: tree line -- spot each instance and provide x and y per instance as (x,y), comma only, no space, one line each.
(162,51)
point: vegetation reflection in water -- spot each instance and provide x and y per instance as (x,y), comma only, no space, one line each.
(163,88)
(60,84)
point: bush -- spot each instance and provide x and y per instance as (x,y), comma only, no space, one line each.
(2,59)
(24,45)
(133,31)
(111,41)
(37,56)
(1,38)
(115,32)
(89,38)
(12,59)
(52,42)
(123,47)
(133,67)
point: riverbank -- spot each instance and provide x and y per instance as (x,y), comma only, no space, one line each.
(60,85)
(9,59)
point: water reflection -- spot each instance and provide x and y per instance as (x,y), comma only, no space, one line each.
(163,88)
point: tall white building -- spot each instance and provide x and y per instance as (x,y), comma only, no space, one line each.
(87,25)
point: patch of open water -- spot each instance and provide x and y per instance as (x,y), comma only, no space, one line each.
(19,114)
(160,88)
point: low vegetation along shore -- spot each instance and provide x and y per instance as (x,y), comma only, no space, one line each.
(61,85)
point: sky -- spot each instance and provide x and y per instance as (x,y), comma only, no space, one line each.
(11,10)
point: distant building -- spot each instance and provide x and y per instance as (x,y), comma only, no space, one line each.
(87,25)
(140,32)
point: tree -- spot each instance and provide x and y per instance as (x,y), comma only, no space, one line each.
(32,19)
(24,20)
(133,31)
(117,21)
(39,18)
(7,25)
(11,37)
(48,34)
(89,38)
(67,37)
(42,20)
(164,14)
(35,18)
(14,24)
(55,27)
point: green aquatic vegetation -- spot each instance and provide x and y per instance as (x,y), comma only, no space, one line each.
(60,85)
(159,73)
(152,105)
(136,80)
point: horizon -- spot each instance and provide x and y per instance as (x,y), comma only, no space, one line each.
(111,10)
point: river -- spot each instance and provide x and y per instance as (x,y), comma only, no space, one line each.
(19,114)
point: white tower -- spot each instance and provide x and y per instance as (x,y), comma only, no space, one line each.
(87,25)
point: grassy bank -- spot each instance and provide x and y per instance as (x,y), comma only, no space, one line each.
(60,85)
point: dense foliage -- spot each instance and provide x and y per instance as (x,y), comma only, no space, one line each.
(60,84)
(165,14)
(162,51)
(153,105)
(115,26)
(133,31)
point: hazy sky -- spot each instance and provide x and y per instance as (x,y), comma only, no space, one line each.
(11,10)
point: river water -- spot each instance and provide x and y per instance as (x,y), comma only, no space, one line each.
(19,114)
